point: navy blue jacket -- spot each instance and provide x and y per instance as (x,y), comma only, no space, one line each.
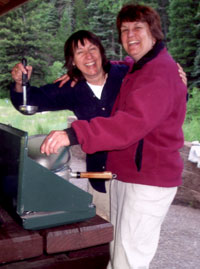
(82,101)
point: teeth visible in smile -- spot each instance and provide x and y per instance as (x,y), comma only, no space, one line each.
(89,64)
(133,42)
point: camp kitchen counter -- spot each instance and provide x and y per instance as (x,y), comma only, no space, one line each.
(46,222)
(79,245)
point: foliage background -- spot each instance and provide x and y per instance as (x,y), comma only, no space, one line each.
(39,29)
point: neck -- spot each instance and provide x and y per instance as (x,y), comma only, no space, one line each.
(97,80)
(159,46)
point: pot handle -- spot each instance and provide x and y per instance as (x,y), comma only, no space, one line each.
(103,175)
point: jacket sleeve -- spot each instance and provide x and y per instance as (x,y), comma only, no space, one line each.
(48,97)
(143,109)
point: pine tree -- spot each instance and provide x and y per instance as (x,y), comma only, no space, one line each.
(161,6)
(63,31)
(80,13)
(196,72)
(182,35)
(30,31)
(102,21)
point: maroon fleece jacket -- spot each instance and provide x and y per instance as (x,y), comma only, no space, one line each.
(151,106)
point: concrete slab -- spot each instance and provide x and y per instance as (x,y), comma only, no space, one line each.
(179,245)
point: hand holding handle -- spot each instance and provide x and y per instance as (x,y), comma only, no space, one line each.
(24,76)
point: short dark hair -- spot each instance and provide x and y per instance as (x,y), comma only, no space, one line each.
(135,12)
(72,43)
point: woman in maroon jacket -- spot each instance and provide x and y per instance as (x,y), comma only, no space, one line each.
(143,137)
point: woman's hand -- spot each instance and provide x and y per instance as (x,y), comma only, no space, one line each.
(54,141)
(63,79)
(16,73)
(182,74)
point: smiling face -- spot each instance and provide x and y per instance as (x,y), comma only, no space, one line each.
(87,58)
(136,38)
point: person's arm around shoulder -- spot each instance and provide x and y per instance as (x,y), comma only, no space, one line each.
(182,74)
(64,79)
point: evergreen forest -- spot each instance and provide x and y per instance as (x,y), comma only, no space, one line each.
(38,30)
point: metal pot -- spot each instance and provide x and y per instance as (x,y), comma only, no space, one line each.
(59,162)
(53,162)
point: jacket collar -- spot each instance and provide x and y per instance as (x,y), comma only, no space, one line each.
(149,56)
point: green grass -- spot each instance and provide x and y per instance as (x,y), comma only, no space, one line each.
(43,123)
(191,125)
(40,123)
(191,130)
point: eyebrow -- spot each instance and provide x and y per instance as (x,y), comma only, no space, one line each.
(136,22)
(90,46)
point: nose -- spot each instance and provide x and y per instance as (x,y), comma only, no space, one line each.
(88,55)
(130,33)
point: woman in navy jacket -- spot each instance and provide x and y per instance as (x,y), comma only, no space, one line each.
(80,99)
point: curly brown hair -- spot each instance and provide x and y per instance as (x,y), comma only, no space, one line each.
(135,12)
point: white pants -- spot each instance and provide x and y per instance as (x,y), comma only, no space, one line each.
(101,201)
(137,212)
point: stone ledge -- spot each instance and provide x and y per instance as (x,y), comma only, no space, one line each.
(189,192)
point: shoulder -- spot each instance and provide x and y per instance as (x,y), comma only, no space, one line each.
(67,86)
(163,65)
(118,69)
(164,59)
(161,73)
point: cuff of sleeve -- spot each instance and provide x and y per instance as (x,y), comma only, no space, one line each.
(72,136)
